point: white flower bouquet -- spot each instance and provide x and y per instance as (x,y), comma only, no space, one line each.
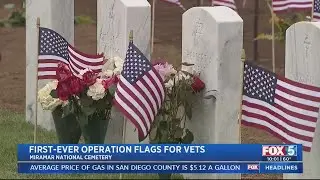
(86,98)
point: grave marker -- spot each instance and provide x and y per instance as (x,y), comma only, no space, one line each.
(54,14)
(115,19)
(302,64)
(212,40)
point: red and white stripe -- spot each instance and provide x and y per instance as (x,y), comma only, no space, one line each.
(292,118)
(176,2)
(141,101)
(228,3)
(316,11)
(47,64)
(283,5)
(316,16)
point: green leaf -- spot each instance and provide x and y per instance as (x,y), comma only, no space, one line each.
(188,138)
(188,110)
(68,109)
(163,125)
(164,137)
(112,90)
(88,110)
(178,133)
(176,122)
(54,94)
(153,133)
(9,6)
(86,101)
(83,120)
(264,36)
(83,20)
(101,104)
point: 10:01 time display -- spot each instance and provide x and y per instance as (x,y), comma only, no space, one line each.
(279,158)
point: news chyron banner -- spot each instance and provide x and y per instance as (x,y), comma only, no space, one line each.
(162,158)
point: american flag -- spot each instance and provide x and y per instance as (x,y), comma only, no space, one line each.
(54,49)
(140,91)
(228,3)
(316,10)
(176,2)
(283,5)
(287,109)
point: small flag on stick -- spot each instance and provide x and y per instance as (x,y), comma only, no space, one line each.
(176,2)
(140,91)
(283,5)
(228,3)
(54,49)
(285,108)
(316,11)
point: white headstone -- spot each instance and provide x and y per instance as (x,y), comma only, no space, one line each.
(115,20)
(212,40)
(302,64)
(54,14)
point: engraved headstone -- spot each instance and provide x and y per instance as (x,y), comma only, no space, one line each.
(302,65)
(212,41)
(115,20)
(54,14)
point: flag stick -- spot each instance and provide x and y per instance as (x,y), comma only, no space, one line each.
(312,11)
(243,59)
(244,3)
(125,122)
(36,103)
(273,41)
(255,30)
(152,25)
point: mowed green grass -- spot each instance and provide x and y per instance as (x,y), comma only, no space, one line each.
(15,130)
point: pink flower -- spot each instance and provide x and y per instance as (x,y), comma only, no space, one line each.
(165,70)
(159,61)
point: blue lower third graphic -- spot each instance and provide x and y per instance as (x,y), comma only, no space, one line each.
(224,168)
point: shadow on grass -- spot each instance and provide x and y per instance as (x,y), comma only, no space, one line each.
(15,130)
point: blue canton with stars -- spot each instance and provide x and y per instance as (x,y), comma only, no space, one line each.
(135,65)
(52,43)
(259,83)
(317,6)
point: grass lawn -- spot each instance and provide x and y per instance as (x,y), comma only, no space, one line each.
(15,130)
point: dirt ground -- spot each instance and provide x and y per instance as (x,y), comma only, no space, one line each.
(167,45)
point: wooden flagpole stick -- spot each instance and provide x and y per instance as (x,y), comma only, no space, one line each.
(244,3)
(273,40)
(243,59)
(36,103)
(125,122)
(152,25)
(311,19)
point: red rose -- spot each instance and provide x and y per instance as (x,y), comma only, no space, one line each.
(197,84)
(89,78)
(116,79)
(63,72)
(76,85)
(63,90)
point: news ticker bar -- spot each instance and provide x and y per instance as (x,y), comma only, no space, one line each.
(159,152)
(147,167)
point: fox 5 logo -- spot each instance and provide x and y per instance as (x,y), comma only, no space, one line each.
(279,150)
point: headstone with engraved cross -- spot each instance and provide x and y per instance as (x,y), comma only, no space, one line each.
(302,65)
(57,15)
(115,20)
(212,40)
